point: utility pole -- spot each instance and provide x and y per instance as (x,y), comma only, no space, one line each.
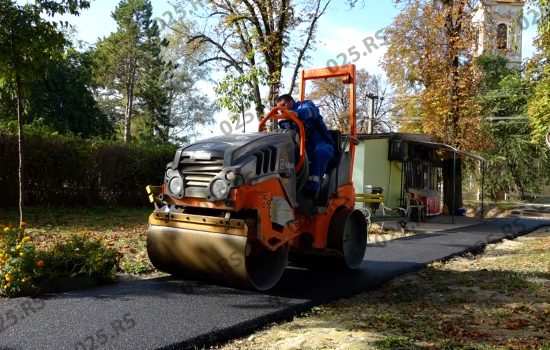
(372,97)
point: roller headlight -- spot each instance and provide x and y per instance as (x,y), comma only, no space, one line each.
(230,175)
(175,185)
(219,188)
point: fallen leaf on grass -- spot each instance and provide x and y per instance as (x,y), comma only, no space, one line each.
(516,324)
(476,335)
(521,344)
(450,327)
(477,322)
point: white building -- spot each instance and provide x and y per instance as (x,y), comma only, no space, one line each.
(499,25)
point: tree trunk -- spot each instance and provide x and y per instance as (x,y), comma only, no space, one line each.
(258,101)
(517,180)
(20,112)
(453,34)
(274,93)
(452,197)
(128,112)
(274,67)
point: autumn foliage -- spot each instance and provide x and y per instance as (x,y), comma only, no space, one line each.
(431,64)
(538,70)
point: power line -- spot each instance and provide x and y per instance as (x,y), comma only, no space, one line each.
(501,93)
(510,117)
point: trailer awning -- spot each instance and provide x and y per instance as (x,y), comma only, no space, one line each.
(450,148)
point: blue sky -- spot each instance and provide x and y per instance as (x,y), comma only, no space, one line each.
(343,34)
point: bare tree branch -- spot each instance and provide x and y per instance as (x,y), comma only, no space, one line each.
(304,48)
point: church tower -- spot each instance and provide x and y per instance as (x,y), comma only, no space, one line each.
(499,25)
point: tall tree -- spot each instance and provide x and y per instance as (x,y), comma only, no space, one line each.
(249,36)
(64,100)
(128,64)
(539,72)
(430,60)
(514,163)
(153,91)
(28,44)
(332,98)
(188,107)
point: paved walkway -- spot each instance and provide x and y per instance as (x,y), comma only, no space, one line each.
(532,211)
(447,222)
(436,224)
(166,313)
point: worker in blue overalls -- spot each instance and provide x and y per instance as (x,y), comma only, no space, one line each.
(319,143)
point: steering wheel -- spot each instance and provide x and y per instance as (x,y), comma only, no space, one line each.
(302,168)
(286,114)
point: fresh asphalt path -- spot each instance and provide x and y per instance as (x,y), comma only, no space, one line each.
(166,313)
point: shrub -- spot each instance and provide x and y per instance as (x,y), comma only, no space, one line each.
(25,270)
(67,170)
(80,255)
(19,267)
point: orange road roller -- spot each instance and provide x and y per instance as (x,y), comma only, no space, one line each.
(231,208)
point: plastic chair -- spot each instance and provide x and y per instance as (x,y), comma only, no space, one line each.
(416,204)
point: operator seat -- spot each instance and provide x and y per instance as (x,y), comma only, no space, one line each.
(338,170)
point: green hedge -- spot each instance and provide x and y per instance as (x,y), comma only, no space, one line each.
(61,170)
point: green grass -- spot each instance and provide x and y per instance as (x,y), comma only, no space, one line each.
(396,343)
(105,217)
(390,319)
